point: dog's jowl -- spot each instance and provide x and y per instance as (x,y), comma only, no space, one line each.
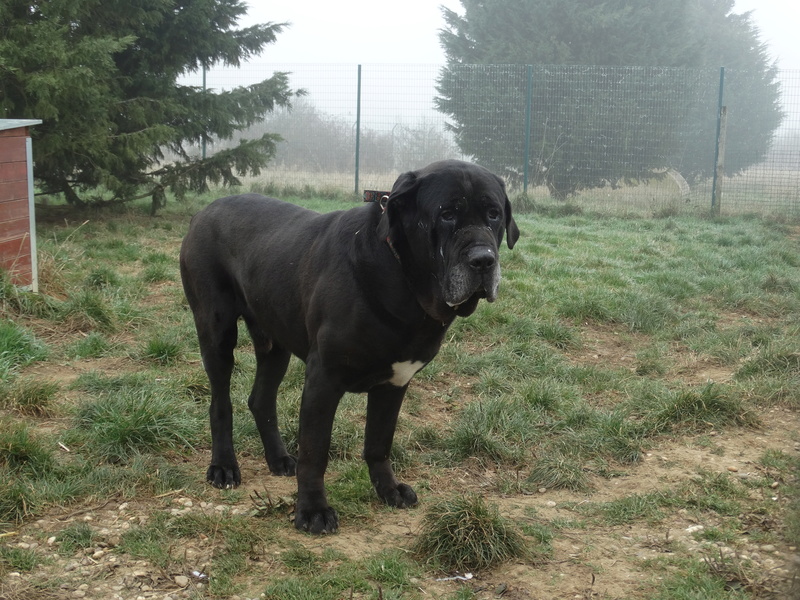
(362,296)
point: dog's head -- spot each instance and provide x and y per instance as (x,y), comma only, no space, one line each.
(446,223)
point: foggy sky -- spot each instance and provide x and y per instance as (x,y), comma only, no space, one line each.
(365,31)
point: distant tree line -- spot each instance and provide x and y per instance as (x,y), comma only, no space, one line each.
(313,140)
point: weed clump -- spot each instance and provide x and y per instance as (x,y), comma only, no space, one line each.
(29,396)
(18,348)
(130,422)
(162,350)
(694,411)
(465,533)
(559,471)
(75,537)
(21,451)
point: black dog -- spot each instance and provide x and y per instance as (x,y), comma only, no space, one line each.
(363,296)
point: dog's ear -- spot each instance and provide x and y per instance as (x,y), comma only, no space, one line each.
(512,231)
(404,192)
(406,184)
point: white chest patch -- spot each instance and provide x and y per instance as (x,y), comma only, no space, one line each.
(404,371)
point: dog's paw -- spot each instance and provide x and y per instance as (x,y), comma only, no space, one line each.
(317,521)
(224,477)
(402,496)
(284,465)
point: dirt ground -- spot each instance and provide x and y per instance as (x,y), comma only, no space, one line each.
(588,561)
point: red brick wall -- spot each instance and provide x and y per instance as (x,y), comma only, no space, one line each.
(15,235)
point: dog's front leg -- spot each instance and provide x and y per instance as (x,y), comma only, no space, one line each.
(383,407)
(317,410)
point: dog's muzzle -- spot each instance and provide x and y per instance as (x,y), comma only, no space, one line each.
(477,273)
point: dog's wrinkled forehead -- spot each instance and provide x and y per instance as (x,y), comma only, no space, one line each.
(461,191)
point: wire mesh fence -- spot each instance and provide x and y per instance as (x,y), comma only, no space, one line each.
(613,139)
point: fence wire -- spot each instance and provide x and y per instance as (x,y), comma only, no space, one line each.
(612,139)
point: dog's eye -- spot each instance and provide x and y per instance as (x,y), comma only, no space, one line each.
(448,215)
(493,214)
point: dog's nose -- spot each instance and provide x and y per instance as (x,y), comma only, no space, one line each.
(481,259)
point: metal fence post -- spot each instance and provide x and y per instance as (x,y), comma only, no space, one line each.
(204,91)
(358,127)
(720,168)
(528,103)
(715,182)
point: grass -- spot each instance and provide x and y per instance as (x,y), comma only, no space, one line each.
(18,348)
(465,533)
(709,407)
(495,430)
(88,310)
(697,582)
(707,493)
(75,538)
(29,396)
(118,426)
(613,338)
(94,345)
(19,559)
(159,540)
(103,277)
(22,451)
(558,471)
(162,350)
(393,569)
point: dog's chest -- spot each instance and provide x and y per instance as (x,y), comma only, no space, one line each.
(393,361)
(421,348)
(402,372)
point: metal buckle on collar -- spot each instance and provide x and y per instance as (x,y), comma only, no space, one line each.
(378,197)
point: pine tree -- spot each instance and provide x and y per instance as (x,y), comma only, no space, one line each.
(611,79)
(103,77)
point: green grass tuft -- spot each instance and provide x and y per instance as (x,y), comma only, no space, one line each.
(465,533)
(162,350)
(558,334)
(87,310)
(120,425)
(19,559)
(393,570)
(18,348)
(22,451)
(772,361)
(103,277)
(156,273)
(74,538)
(555,470)
(497,430)
(301,560)
(351,490)
(691,410)
(94,345)
(30,397)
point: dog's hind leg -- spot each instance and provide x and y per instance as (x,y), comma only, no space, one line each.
(217,333)
(271,361)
